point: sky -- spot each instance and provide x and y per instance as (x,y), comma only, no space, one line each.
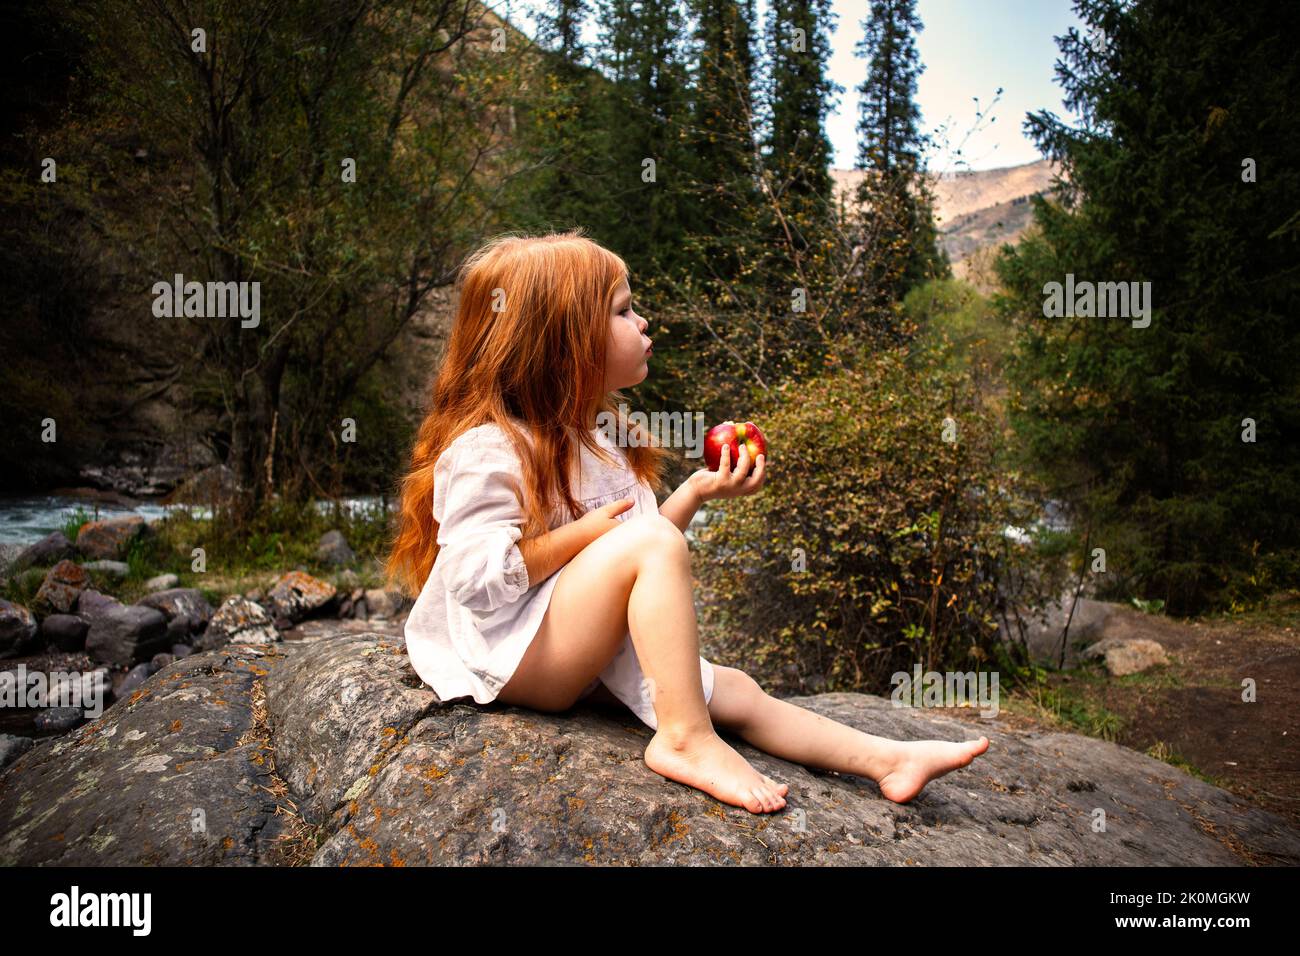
(969,48)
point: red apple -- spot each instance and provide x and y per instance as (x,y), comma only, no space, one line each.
(733,434)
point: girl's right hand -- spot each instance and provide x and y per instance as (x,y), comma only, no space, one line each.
(599,520)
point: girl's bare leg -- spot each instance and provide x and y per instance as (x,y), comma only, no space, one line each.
(636,579)
(900,768)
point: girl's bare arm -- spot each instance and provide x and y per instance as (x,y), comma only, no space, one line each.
(547,553)
(682,504)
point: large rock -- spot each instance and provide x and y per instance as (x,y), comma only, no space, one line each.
(62,586)
(17,629)
(298,595)
(110,538)
(1124,656)
(50,550)
(127,635)
(65,632)
(1045,625)
(187,605)
(216,484)
(332,548)
(245,755)
(238,621)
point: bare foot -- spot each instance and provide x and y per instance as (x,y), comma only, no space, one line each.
(920,761)
(707,762)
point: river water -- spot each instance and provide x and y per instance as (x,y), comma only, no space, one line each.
(25,520)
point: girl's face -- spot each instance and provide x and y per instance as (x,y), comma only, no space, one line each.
(628,352)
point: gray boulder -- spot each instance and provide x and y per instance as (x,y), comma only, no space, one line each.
(186,605)
(382,605)
(329,750)
(126,635)
(92,604)
(66,632)
(238,621)
(333,549)
(298,595)
(50,550)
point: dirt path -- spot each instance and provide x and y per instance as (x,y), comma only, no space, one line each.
(1191,711)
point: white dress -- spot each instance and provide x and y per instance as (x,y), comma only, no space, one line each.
(478,612)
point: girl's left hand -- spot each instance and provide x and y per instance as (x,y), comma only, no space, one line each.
(728,483)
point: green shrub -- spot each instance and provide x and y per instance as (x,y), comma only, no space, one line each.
(875,544)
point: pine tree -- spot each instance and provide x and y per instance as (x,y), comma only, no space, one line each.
(1172,428)
(796,149)
(895,200)
(721,138)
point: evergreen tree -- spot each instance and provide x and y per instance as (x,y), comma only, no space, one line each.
(796,150)
(721,138)
(645,115)
(1172,427)
(896,201)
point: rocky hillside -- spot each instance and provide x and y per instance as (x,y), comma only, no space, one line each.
(976,210)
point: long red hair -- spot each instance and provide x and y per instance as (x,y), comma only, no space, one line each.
(528,346)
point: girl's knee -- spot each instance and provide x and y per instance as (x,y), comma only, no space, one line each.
(653,531)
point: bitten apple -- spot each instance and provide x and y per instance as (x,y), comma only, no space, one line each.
(733,434)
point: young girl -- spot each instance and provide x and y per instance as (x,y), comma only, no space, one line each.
(545,569)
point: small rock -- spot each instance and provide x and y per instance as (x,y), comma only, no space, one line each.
(17,629)
(61,587)
(181,650)
(159,661)
(333,549)
(116,569)
(162,582)
(110,538)
(384,605)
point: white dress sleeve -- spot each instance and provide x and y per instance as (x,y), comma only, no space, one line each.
(479,523)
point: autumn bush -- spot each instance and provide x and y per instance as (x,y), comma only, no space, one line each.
(878,539)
